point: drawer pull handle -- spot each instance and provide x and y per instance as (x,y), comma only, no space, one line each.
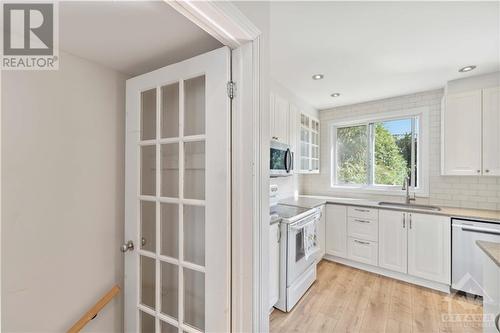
(362,221)
(360,242)
(361,210)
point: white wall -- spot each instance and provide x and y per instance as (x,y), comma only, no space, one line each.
(62,195)
(466,192)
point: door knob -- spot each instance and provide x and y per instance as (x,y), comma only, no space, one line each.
(128,246)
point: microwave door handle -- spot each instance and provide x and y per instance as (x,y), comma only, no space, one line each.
(288,160)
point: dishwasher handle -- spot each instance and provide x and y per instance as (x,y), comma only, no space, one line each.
(477,229)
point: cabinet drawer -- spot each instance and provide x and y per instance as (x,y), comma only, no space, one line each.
(363,213)
(362,251)
(362,228)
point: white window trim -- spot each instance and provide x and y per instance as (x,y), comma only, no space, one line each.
(423,158)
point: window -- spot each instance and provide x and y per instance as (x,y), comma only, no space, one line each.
(378,154)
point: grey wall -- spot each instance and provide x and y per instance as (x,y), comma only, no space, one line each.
(454,191)
(62,195)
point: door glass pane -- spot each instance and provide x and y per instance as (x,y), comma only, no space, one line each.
(148,170)
(147,322)
(169,218)
(352,155)
(194,106)
(170,111)
(170,170)
(167,328)
(194,298)
(148,281)
(194,234)
(148,226)
(148,114)
(194,170)
(169,289)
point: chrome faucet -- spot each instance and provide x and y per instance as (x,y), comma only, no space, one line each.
(406,187)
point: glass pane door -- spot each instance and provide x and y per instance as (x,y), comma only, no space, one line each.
(177,211)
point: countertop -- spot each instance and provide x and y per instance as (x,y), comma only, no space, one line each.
(311,201)
(491,249)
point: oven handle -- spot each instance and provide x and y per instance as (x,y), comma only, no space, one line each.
(302,225)
(477,229)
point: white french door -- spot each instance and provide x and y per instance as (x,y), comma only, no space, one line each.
(177,205)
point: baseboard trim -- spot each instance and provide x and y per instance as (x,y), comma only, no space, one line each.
(395,275)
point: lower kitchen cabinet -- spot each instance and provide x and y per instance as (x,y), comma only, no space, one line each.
(491,300)
(336,230)
(429,247)
(274,264)
(415,244)
(392,242)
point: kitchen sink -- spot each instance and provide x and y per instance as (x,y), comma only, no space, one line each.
(409,206)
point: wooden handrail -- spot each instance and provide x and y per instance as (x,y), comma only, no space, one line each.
(93,311)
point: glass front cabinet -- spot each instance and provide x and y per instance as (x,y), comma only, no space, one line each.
(309,144)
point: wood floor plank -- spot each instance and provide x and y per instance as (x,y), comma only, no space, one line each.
(345,299)
(377,312)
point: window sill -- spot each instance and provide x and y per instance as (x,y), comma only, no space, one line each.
(379,190)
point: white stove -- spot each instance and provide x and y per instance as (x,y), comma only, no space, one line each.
(299,251)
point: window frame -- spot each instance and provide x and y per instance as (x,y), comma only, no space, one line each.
(422,114)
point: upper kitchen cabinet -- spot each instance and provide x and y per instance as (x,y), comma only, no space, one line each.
(491,132)
(309,144)
(470,138)
(279,119)
(461,134)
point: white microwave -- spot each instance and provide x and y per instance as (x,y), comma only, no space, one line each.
(281,160)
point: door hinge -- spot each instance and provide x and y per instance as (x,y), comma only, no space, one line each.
(231,89)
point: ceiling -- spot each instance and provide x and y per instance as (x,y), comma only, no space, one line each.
(373,50)
(132,37)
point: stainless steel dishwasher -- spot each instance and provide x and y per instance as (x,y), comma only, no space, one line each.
(467,271)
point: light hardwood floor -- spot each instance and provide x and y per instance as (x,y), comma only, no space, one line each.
(345,299)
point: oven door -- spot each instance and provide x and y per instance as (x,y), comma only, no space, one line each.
(296,252)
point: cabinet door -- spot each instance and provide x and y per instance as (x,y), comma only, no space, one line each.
(272,116)
(392,240)
(274,264)
(304,146)
(491,132)
(281,109)
(336,230)
(429,242)
(293,124)
(461,124)
(491,288)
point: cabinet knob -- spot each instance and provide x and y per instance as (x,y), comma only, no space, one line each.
(487,170)
(478,171)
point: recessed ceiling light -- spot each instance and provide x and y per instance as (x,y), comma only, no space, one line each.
(467,69)
(318,76)
(335,95)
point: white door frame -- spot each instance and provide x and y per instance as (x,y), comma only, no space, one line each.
(250,169)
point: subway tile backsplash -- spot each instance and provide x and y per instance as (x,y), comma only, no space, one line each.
(453,191)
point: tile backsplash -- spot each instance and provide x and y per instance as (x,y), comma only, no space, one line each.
(453,191)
